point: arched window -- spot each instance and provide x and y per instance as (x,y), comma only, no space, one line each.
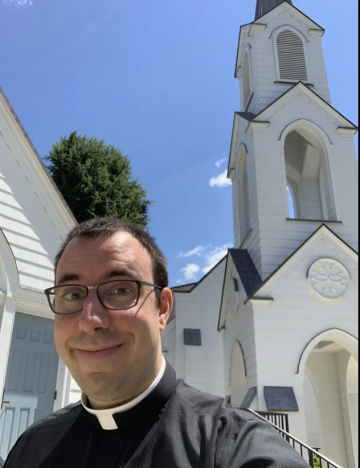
(291,202)
(291,56)
(244,195)
(246,80)
(238,380)
(309,187)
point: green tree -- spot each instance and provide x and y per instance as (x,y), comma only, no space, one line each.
(95,180)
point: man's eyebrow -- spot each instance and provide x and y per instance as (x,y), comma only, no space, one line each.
(121,272)
(68,277)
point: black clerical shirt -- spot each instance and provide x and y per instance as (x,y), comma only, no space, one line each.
(175,426)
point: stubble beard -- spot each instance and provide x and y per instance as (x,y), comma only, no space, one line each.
(122,385)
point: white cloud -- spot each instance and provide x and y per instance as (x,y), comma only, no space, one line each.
(210,256)
(190,271)
(220,162)
(199,250)
(220,181)
(214,256)
(19,3)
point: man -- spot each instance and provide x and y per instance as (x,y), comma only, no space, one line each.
(111,302)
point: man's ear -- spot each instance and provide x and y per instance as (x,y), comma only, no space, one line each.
(165,307)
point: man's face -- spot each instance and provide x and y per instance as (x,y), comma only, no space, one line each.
(113,355)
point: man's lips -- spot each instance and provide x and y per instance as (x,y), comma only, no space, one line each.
(98,353)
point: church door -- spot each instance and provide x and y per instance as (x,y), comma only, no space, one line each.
(30,379)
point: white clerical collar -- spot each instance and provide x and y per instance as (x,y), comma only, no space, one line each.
(105,416)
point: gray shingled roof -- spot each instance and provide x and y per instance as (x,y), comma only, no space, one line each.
(246,115)
(264,6)
(246,269)
(184,287)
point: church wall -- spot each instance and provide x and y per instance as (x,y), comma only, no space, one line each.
(201,366)
(311,413)
(265,89)
(323,365)
(34,220)
(294,318)
(348,409)
(168,340)
(239,326)
(252,240)
(30,223)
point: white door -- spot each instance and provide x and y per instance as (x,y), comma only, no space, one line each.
(30,378)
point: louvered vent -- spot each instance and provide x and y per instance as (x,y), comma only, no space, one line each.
(246,89)
(292,64)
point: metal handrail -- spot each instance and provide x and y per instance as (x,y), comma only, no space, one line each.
(312,454)
(278,419)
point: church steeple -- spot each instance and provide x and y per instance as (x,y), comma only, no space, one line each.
(263,6)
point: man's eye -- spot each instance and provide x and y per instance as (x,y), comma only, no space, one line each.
(121,292)
(72,296)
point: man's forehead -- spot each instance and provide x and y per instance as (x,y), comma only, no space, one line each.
(121,242)
(120,246)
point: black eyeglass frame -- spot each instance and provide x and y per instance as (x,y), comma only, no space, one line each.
(139,283)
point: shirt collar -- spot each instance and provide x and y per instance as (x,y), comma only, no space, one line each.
(106,416)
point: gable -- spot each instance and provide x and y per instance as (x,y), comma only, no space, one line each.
(323,244)
(291,11)
(34,219)
(300,99)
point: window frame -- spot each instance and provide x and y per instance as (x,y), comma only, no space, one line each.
(246,52)
(276,53)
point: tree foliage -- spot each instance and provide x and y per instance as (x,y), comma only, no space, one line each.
(95,180)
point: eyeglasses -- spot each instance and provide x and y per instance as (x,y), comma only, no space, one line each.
(113,295)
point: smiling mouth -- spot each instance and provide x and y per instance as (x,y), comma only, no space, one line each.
(98,353)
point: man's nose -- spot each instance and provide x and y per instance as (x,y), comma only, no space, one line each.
(93,315)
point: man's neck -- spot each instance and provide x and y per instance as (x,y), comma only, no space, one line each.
(105,414)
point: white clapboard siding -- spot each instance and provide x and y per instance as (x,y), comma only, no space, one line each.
(200,366)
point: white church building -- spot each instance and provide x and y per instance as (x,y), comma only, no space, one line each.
(285,299)
(274,325)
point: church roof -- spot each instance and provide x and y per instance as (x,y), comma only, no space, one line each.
(184,287)
(264,6)
(246,115)
(246,270)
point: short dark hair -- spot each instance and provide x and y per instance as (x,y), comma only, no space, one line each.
(106,227)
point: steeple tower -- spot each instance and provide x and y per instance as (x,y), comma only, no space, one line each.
(285,161)
(263,6)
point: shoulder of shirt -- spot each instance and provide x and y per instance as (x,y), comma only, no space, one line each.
(204,403)
(64,415)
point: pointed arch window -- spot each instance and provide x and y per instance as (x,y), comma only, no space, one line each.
(291,57)
(246,80)
(291,198)
(244,195)
(308,179)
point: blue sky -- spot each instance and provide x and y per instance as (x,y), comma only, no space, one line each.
(155,78)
